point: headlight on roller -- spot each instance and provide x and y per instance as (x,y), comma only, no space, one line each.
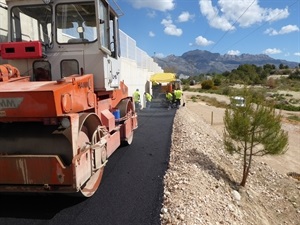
(65,122)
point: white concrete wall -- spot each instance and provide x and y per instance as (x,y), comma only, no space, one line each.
(136,66)
(135,77)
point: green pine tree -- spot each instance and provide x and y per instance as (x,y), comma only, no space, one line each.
(253,130)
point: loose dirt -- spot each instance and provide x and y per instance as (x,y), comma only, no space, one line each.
(201,183)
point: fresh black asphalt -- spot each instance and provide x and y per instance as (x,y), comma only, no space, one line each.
(130,193)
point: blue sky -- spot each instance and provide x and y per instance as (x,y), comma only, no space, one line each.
(165,27)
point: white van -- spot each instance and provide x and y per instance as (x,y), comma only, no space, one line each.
(238,101)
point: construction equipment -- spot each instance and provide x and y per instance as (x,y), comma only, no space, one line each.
(161,84)
(63,108)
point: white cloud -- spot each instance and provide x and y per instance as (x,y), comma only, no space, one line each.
(203,41)
(284,30)
(233,52)
(211,13)
(170,28)
(271,15)
(159,55)
(151,34)
(297,53)
(154,4)
(243,13)
(151,14)
(167,22)
(185,16)
(272,51)
(271,32)
(288,29)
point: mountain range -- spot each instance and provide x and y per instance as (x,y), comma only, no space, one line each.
(196,62)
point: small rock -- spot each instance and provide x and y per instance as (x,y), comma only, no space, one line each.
(230,207)
(236,195)
(181,216)
(164,210)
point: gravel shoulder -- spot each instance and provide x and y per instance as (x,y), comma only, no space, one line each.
(200,185)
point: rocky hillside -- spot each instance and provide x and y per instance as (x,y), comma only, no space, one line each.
(198,61)
(200,185)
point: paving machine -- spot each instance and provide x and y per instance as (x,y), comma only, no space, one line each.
(63,108)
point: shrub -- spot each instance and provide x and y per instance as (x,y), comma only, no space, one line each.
(207,84)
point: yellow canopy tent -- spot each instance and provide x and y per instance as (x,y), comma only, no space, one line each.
(163,77)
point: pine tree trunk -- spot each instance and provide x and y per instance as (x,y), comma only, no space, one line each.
(245,167)
(246,170)
(245,175)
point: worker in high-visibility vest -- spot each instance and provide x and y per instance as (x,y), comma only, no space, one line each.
(137,100)
(178,94)
(169,98)
(148,98)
